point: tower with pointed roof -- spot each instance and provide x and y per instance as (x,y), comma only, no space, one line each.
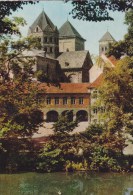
(47,33)
(69,38)
(104,42)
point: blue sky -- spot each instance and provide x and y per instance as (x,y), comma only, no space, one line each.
(58,13)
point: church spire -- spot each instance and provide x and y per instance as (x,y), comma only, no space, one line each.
(105,41)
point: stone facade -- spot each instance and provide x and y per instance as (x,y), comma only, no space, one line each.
(70,39)
(70,44)
(52,69)
(76,65)
(66,45)
(67,97)
(105,42)
(47,34)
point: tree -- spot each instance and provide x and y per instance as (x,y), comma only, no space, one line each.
(116,94)
(124,46)
(19,114)
(83,10)
(6,9)
(64,125)
(98,10)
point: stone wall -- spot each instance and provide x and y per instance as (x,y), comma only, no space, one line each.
(51,68)
(66,45)
(79,45)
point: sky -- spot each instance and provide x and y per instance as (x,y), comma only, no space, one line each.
(58,12)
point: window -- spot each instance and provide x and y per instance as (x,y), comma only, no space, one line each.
(45,49)
(56,100)
(95,110)
(50,49)
(66,64)
(98,109)
(45,39)
(48,100)
(64,100)
(50,39)
(37,29)
(95,93)
(81,100)
(40,100)
(73,100)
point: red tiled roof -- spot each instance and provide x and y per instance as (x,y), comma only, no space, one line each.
(97,82)
(65,88)
(112,59)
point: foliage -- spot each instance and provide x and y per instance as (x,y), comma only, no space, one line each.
(64,125)
(125,46)
(6,8)
(82,10)
(18,155)
(94,149)
(19,113)
(98,10)
(116,94)
(100,160)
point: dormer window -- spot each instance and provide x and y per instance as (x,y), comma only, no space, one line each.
(37,29)
(66,64)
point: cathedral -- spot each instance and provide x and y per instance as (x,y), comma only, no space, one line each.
(63,58)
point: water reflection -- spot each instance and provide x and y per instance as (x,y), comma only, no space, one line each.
(66,184)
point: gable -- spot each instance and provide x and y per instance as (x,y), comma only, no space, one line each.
(74,59)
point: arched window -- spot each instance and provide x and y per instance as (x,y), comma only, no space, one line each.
(82,115)
(68,114)
(52,116)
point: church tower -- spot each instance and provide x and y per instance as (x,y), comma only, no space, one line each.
(104,42)
(70,39)
(47,33)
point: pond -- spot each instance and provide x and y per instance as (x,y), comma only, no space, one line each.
(78,183)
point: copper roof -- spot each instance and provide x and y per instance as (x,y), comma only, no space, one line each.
(107,37)
(67,30)
(43,21)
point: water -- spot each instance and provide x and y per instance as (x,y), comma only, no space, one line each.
(66,184)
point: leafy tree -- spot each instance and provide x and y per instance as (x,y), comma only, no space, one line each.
(19,112)
(94,149)
(64,125)
(116,94)
(98,10)
(83,10)
(124,46)
(6,8)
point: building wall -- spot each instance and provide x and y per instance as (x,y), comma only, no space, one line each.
(49,40)
(71,44)
(104,46)
(59,108)
(95,72)
(52,69)
(74,76)
(66,45)
(79,45)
